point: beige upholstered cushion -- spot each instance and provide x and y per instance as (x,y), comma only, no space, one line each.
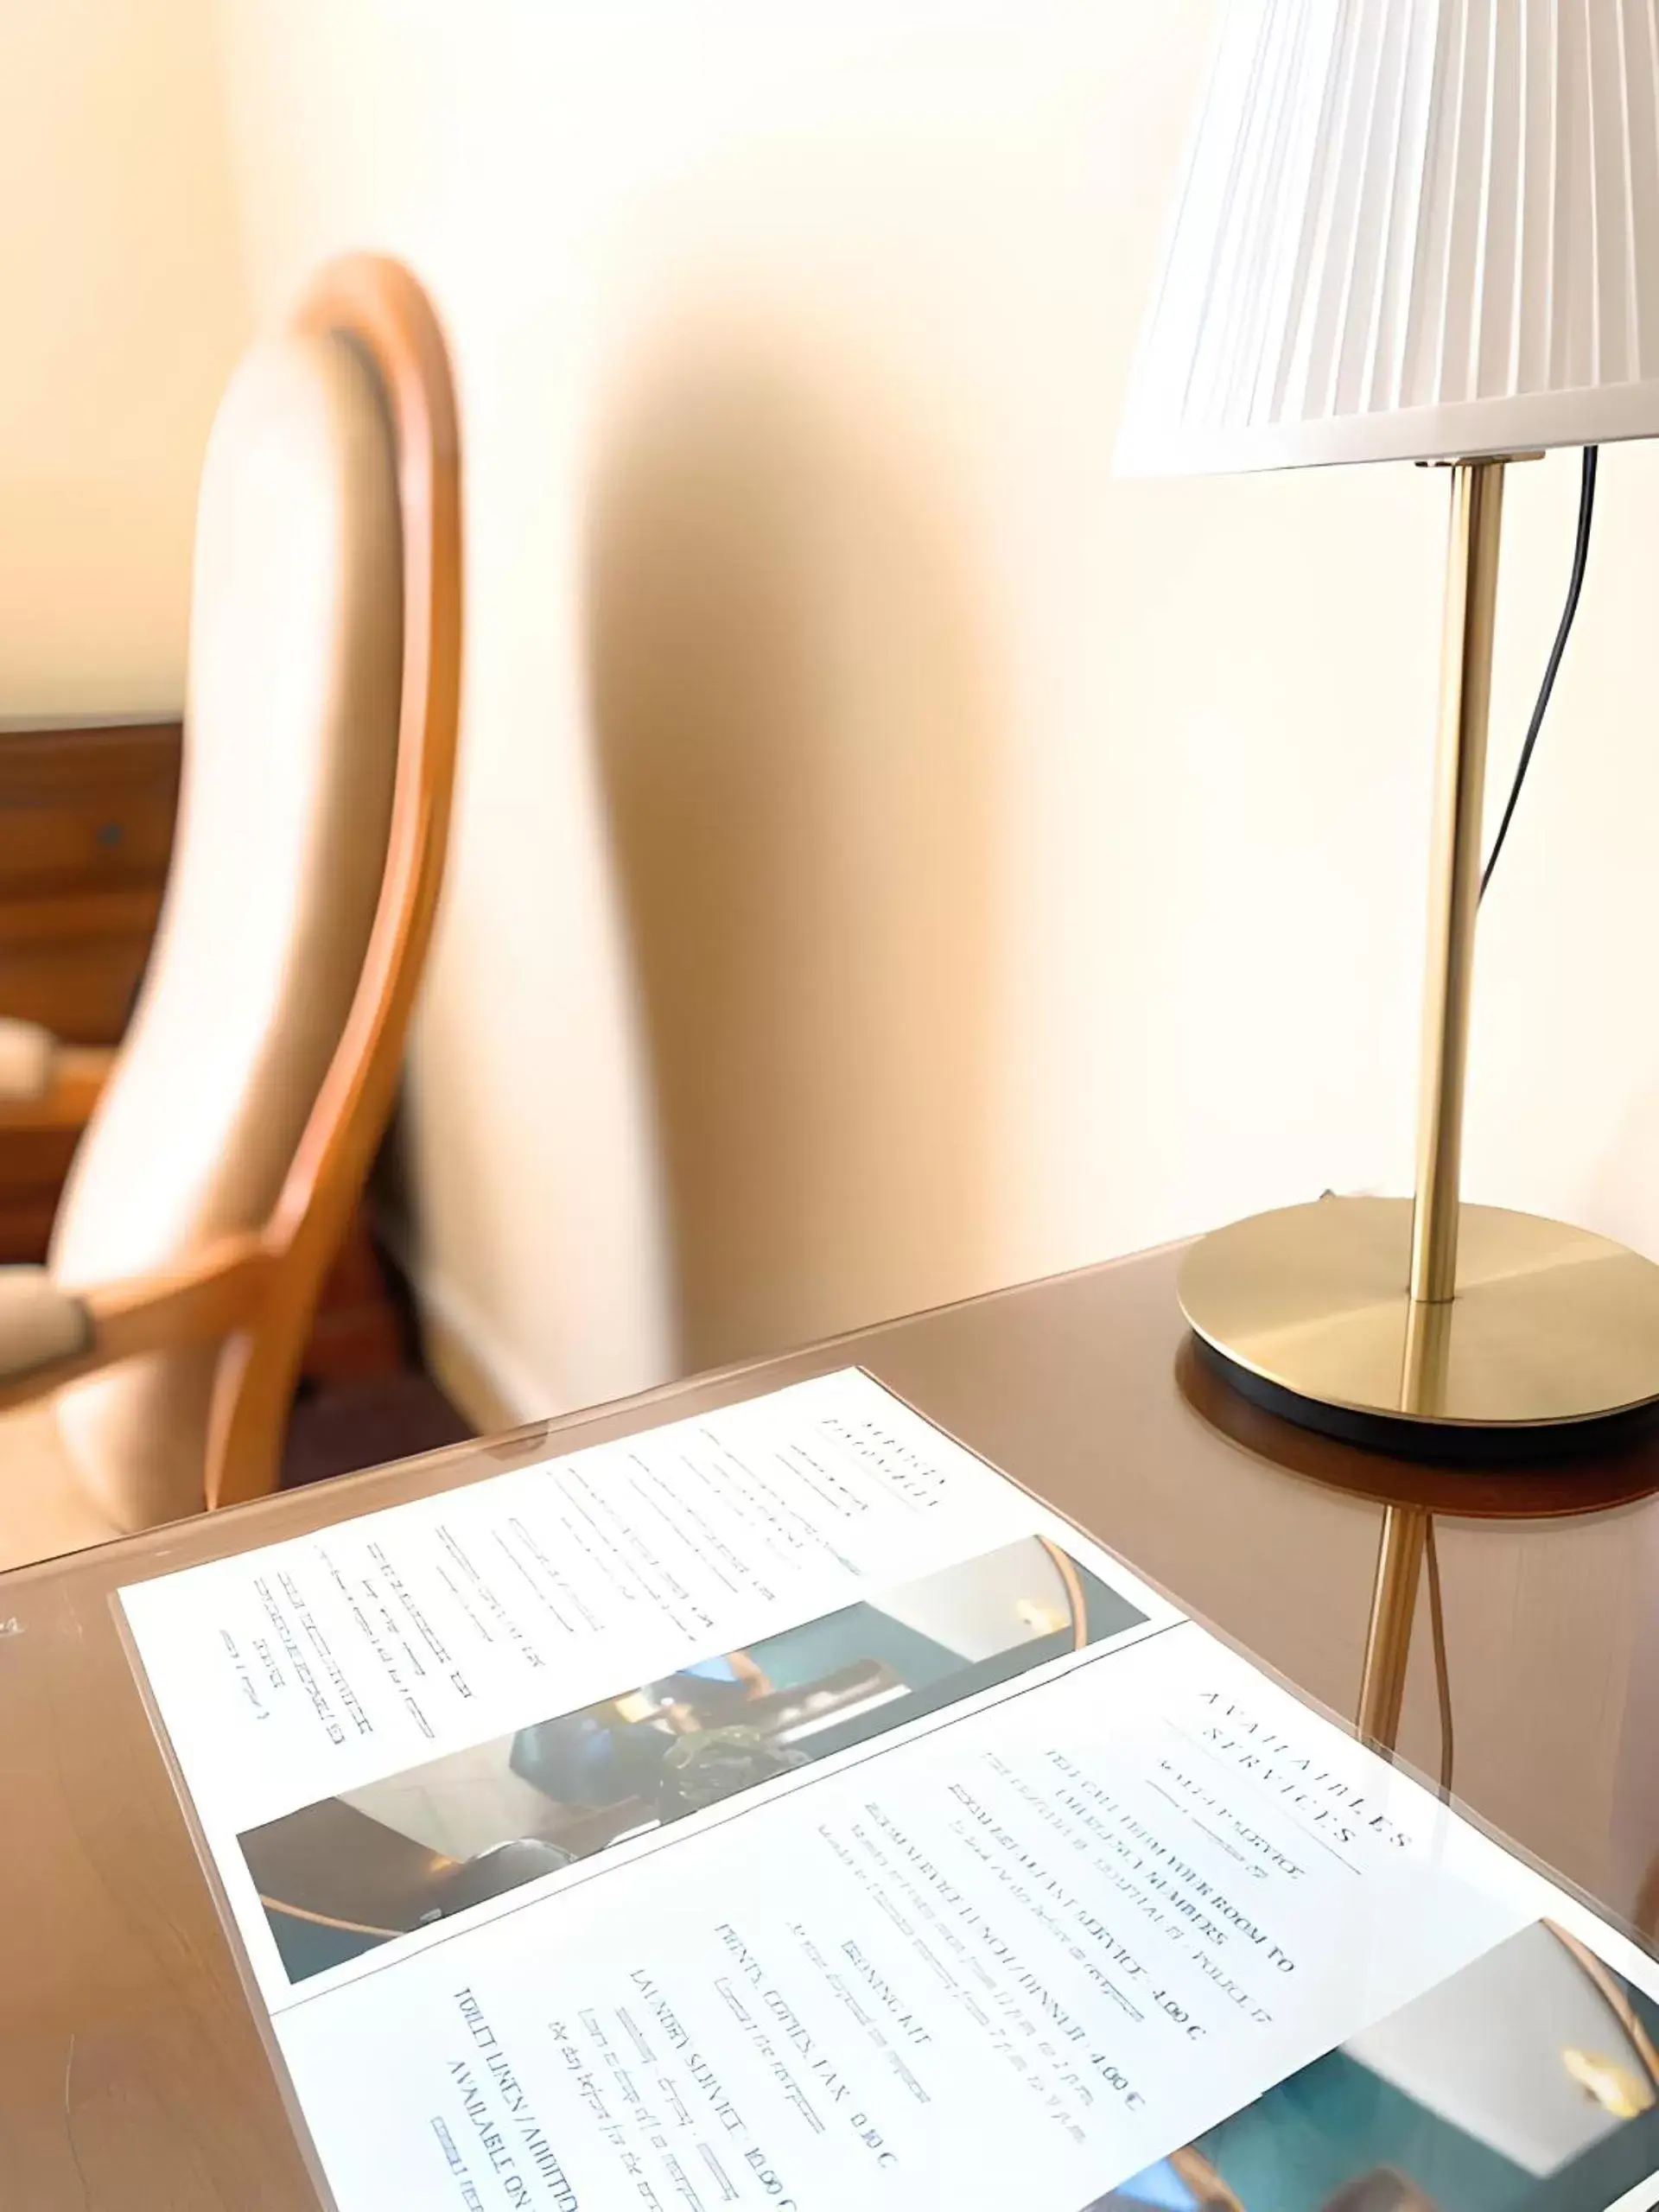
(39,1321)
(28,1057)
(291,742)
(44,1509)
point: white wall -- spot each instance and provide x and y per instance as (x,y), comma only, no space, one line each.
(124,310)
(968,866)
(892,857)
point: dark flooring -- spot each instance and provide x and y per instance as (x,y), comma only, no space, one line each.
(339,1426)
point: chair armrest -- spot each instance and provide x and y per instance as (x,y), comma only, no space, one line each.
(214,1292)
(28,1060)
(41,1323)
(47,1085)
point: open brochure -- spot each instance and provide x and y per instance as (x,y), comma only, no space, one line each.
(781,1809)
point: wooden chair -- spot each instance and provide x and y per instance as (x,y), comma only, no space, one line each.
(146,1372)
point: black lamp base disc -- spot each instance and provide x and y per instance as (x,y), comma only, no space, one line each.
(1509,1444)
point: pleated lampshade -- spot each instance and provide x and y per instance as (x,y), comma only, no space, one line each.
(1410,230)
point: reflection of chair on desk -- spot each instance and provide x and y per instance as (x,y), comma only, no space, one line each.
(1184,2183)
(1382,2191)
(335,1883)
(1530,2077)
(1187,2182)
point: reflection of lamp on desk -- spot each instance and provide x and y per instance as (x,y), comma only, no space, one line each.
(1426,233)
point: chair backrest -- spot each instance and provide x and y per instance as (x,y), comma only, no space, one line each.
(263,1056)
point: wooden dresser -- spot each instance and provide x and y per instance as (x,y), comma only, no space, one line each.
(87,814)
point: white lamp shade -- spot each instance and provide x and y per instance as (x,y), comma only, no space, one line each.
(1410,230)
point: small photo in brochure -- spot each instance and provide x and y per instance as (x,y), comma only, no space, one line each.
(339,1877)
(1528,2083)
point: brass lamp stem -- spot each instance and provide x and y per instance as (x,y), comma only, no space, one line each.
(1454,881)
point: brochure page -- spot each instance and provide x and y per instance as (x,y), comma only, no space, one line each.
(782,1807)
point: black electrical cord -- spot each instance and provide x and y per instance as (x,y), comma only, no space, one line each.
(1581,554)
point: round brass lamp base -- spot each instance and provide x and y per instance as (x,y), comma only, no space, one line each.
(1551,1344)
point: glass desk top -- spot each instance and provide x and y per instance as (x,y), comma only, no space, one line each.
(136,2075)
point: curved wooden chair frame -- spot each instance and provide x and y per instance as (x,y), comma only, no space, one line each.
(256,1291)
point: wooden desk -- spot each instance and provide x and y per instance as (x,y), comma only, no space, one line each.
(131,2077)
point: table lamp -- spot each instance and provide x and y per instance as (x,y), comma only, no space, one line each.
(1424,230)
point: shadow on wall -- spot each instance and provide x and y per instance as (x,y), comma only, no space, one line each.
(796,728)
